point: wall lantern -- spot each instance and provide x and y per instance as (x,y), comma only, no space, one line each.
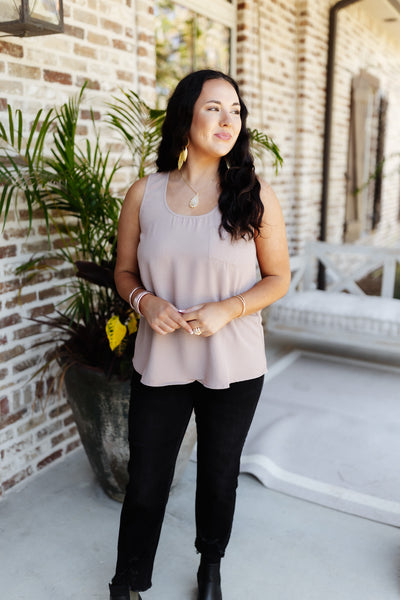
(25,18)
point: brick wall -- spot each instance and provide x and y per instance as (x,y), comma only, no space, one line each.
(281,66)
(267,72)
(32,434)
(110,44)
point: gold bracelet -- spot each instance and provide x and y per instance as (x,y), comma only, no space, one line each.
(243,301)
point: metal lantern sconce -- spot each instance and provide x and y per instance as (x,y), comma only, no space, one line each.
(26,18)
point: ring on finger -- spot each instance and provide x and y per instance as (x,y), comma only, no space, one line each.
(197,331)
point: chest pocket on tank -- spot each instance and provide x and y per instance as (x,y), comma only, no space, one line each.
(234,252)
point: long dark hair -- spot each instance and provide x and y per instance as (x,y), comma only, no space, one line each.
(239,202)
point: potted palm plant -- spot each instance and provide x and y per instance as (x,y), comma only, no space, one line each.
(72,185)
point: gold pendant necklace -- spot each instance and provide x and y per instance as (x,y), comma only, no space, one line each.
(195,200)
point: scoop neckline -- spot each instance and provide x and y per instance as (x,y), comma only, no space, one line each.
(210,212)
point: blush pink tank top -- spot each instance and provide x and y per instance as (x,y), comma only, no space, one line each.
(184,260)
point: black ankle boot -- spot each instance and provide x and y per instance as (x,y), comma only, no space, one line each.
(119,592)
(209,581)
(122,592)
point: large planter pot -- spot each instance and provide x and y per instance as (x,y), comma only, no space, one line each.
(100,407)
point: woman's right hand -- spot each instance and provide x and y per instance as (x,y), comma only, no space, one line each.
(162,316)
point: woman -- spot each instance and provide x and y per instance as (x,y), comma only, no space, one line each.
(189,239)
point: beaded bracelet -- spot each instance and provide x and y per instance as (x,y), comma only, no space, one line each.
(140,287)
(137,299)
(243,301)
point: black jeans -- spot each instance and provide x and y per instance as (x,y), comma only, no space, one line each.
(158,419)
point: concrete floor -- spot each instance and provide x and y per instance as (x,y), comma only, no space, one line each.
(58,536)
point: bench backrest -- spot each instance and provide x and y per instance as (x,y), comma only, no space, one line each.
(345,264)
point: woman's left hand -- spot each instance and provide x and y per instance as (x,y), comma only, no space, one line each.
(207,319)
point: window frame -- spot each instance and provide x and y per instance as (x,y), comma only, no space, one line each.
(223,12)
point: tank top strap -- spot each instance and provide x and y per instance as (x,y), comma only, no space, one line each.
(154,197)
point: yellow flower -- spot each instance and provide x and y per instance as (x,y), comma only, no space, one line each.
(132,324)
(116,332)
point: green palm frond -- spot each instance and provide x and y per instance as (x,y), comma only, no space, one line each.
(140,127)
(261,142)
(22,168)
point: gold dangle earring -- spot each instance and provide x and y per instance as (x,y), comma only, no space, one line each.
(182,157)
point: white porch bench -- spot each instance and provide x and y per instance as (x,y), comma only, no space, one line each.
(342,315)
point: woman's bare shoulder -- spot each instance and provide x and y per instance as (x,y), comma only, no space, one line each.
(267,194)
(135,193)
(265,187)
(133,198)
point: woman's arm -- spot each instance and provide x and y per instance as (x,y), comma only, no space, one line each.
(273,261)
(161,315)
(272,256)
